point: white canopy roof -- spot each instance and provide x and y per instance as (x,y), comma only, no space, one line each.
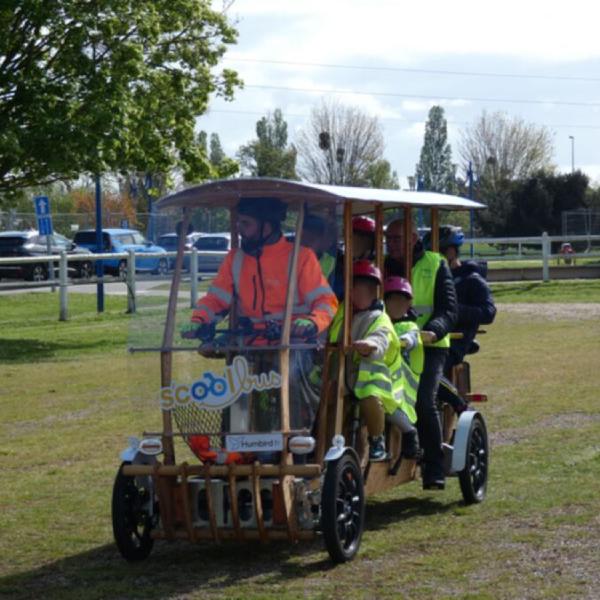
(227,192)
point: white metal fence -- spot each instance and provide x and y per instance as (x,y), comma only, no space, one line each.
(60,262)
(509,248)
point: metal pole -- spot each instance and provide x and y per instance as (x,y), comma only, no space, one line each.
(572,138)
(51,276)
(130,281)
(194,278)
(64,288)
(99,248)
(471,212)
(545,257)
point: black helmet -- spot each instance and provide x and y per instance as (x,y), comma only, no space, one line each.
(270,210)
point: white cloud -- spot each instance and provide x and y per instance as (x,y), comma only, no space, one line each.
(402,32)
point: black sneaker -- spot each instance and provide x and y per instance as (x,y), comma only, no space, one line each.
(377,449)
(433,479)
(410,445)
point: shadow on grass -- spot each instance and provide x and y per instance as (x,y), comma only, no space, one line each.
(179,568)
(30,350)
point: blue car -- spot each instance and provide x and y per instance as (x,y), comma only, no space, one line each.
(123,240)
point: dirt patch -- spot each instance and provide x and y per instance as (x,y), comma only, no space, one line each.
(554,311)
(574,420)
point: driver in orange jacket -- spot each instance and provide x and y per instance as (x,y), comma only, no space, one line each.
(258,275)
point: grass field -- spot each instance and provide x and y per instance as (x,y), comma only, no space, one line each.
(69,396)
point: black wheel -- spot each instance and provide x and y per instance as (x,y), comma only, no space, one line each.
(473,478)
(86,270)
(131,518)
(163,266)
(123,271)
(343,508)
(38,273)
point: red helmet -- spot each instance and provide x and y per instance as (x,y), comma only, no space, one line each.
(365,268)
(398,285)
(363,225)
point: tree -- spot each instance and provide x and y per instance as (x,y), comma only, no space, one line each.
(435,168)
(380,175)
(339,145)
(110,86)
(503,149)
(539,201)
(269,155)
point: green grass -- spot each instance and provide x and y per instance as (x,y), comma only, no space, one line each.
(578,290)
(65,413)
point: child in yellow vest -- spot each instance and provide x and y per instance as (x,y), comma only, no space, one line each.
(373,370)
(398,301)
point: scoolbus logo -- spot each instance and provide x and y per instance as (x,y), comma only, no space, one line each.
(217,392)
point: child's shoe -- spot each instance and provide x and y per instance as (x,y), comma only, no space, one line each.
(377,449)
(410,445)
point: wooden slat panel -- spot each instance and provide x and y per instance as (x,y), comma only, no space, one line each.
(235,515)
(229,534)
(212,517)
(258,508)
(379,479)
(185,492)
(308,471)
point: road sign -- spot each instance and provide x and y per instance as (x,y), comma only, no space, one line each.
(42,214)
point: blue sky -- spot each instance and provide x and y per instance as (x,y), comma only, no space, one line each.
(544,46)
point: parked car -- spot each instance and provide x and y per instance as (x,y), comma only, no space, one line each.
(168,241)
(122,240)
(217,243)
(20,244)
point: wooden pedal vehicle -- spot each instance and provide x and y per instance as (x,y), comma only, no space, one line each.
(272,449)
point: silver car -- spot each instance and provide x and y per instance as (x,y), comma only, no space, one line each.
(212,250)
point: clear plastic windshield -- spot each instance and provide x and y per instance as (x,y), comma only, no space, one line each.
(231,367)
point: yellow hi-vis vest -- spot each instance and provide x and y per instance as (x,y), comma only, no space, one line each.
(381,378)
(411,370)
(424,274)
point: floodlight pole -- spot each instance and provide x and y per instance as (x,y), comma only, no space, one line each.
(572,138)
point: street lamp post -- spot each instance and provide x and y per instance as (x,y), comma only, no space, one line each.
(572,138)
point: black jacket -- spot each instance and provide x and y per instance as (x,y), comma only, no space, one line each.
(475,306)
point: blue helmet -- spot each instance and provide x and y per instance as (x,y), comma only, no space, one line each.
(449,235)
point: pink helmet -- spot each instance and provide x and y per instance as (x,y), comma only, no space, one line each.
(398,285)
(363,224)
(365,268)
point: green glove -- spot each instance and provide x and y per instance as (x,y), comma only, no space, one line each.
(303,328)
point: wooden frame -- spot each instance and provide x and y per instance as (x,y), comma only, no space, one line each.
(172,481)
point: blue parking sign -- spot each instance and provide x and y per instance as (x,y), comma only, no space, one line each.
(42,214)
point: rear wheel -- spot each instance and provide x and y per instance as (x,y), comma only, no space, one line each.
(131,515)
(343,508)
(473,478)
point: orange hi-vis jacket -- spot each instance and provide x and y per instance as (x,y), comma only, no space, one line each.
(241,274)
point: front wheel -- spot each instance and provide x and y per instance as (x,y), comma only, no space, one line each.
(133,515)
(473,478)
(343,508)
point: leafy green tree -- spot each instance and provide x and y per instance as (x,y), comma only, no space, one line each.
(269,155)
(435,168)
(380,175)
(107,86)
